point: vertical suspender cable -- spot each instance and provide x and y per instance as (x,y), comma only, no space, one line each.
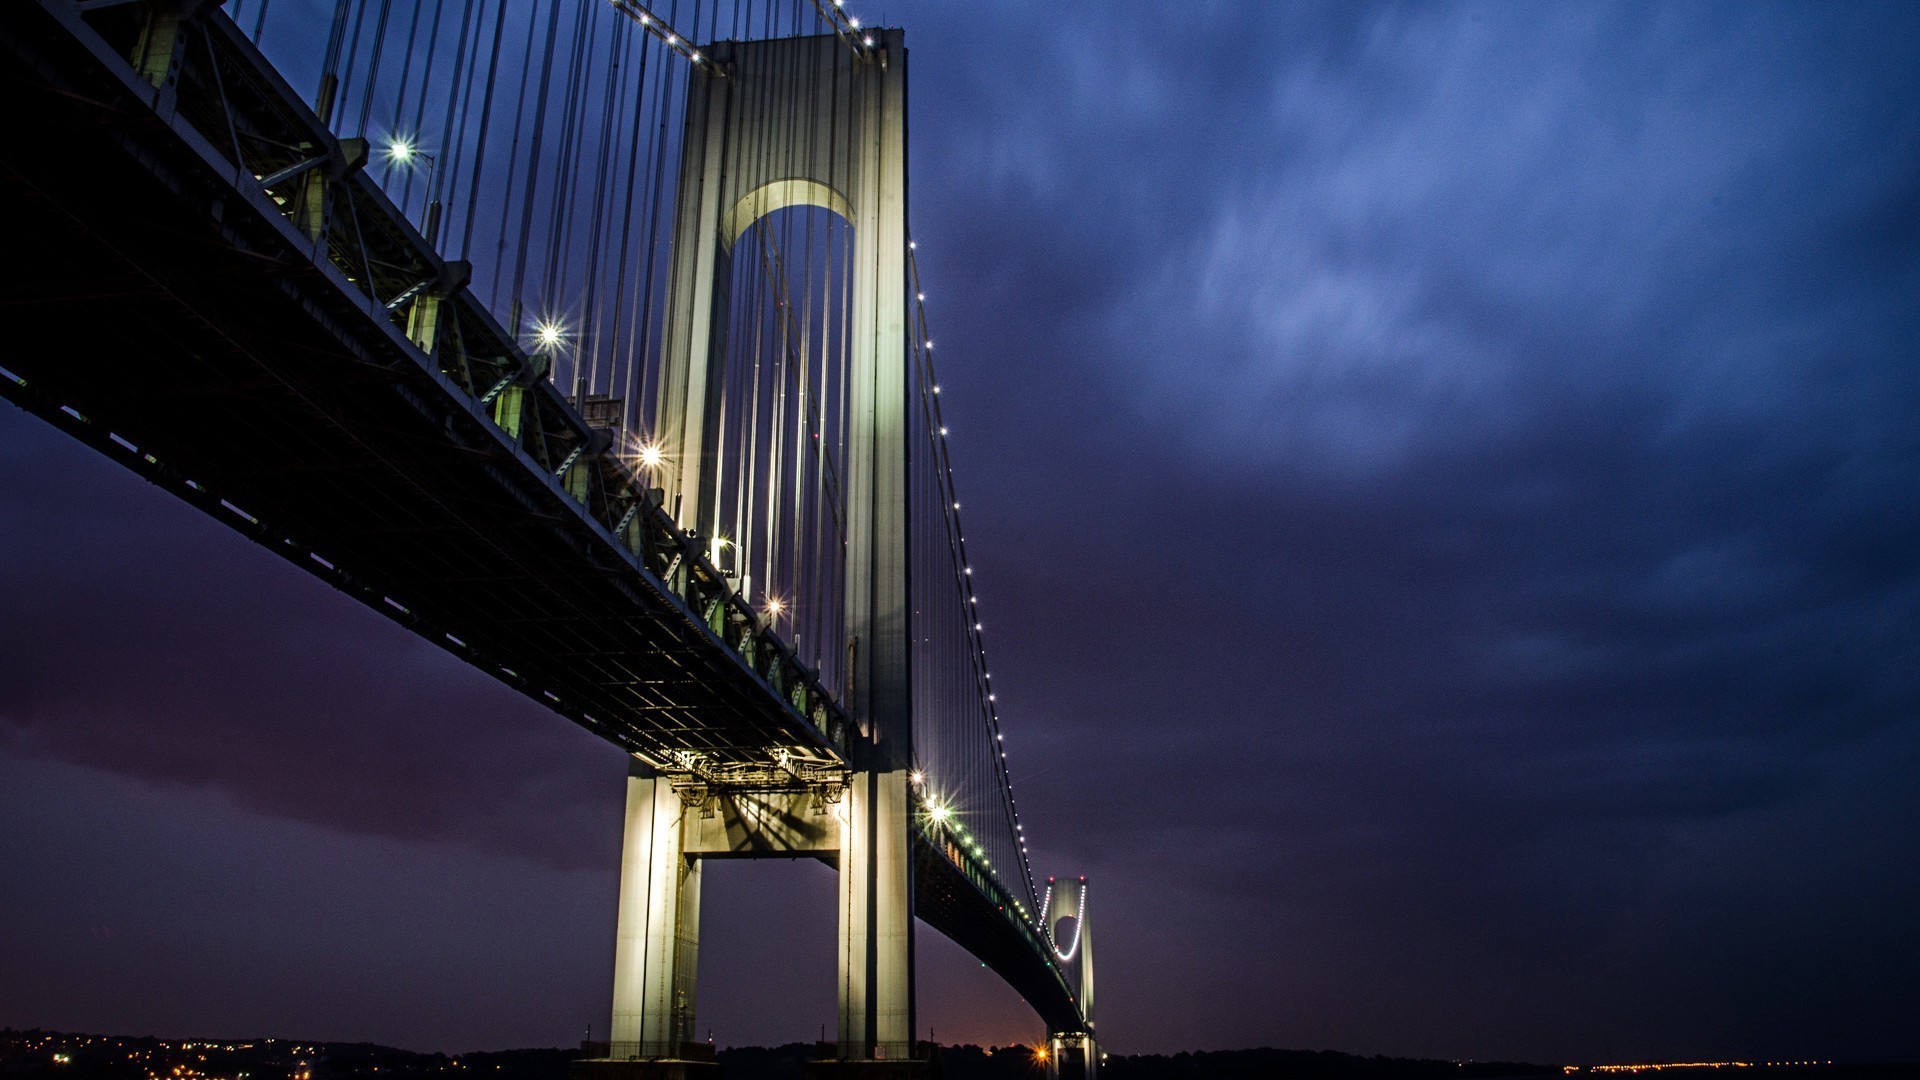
(373,65)
(349,58)
(533,170)
(614,96)
(624,384)
(486,120)
(560,221)
(406,68)
(454,130)
(330,63)
(514,158)
(413,130)
(647,299)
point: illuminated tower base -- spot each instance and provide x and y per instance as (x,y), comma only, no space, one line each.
(1072,1056)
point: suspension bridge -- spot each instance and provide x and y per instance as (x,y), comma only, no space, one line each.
(587,341)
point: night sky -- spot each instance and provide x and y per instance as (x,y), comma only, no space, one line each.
(1444,483)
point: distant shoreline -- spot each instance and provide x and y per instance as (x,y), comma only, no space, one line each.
(53,1055)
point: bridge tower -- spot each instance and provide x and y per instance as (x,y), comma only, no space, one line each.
(1072,1055)
(769,125)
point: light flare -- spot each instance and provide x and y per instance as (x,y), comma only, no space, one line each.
(549,335)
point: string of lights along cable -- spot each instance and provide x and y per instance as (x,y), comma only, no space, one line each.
(962,776)
(539,141)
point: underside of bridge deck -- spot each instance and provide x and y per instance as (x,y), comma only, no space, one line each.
(180,324)
(953,905)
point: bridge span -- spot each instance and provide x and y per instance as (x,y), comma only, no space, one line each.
(698,500)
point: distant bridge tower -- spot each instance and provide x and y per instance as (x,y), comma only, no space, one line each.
(1072,1055)
(775,124)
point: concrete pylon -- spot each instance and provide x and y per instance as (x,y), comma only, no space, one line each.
(670,829)
(657,935)
(769,125)
(812,122)
(876,964)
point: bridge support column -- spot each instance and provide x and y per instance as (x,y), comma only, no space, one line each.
(1072,1055)
(876,921)
(657,942)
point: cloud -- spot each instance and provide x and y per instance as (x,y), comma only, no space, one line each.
(1450,447)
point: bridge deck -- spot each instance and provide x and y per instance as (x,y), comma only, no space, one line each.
(176,308)
(966,912)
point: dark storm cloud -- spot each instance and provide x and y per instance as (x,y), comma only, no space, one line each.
(1488,486)
(1446,497)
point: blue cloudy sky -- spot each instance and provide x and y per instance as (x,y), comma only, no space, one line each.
(1445,486)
